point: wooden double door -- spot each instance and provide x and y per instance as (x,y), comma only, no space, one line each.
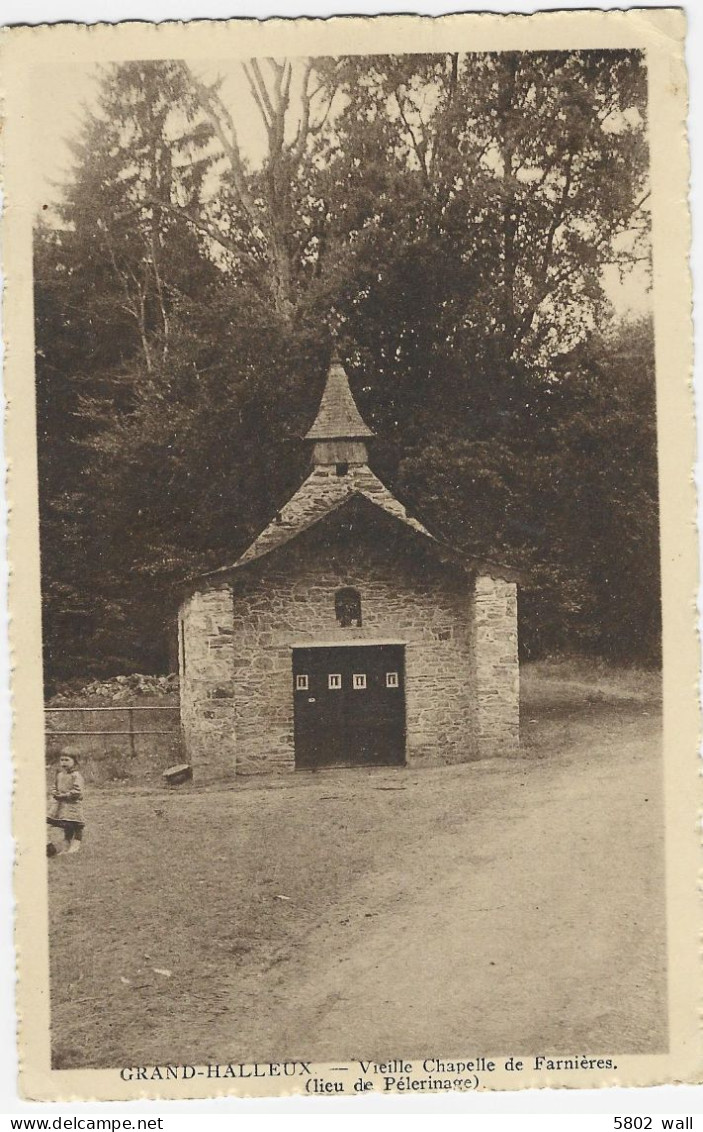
(349,705)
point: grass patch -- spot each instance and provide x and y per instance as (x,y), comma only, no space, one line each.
(570,683)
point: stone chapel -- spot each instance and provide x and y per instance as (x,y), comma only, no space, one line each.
(347,634)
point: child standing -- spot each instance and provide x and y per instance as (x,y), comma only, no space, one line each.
(66,810)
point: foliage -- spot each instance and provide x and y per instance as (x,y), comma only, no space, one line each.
(448,219)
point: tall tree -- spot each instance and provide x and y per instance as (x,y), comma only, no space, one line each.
(482,178)
(446,214)
(293,102)
(113,270)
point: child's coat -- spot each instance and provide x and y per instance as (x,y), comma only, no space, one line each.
(69,806)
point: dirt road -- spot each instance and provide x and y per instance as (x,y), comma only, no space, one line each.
(503,906)
(529,923)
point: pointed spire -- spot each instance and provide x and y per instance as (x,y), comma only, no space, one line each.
(338,417)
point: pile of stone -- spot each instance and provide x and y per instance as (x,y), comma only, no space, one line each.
(116,689)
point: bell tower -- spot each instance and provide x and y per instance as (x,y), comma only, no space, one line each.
(339,432)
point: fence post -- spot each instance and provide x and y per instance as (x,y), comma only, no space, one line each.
(130,716)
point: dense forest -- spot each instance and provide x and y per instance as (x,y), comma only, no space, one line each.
(447,220)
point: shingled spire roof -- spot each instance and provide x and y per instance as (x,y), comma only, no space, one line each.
(338,416)
(332,485)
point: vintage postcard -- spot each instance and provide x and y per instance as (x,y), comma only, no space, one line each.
(353,555)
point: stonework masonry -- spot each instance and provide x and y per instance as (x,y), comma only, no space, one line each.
(206,649)
(237,634)
(495,661)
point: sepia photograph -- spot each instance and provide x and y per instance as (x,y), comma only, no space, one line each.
(346,397)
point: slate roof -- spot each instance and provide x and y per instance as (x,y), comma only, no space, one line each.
(322,493)
(338,415)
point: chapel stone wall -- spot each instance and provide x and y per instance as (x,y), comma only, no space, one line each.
(288,600)
(461,677)
(205,636)
(496,670)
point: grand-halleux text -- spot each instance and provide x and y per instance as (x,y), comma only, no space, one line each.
(391,1071)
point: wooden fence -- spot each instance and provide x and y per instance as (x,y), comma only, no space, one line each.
(118,742)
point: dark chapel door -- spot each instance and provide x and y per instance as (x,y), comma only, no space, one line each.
(349,706)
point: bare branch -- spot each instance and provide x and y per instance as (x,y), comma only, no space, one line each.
(301,137)
(420,148)
(558,216)
(638,204)
(257,98)
(279,70)
(160,293)
(216,112)
(320,125)
(201,224)
(286,82)
(263,89)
